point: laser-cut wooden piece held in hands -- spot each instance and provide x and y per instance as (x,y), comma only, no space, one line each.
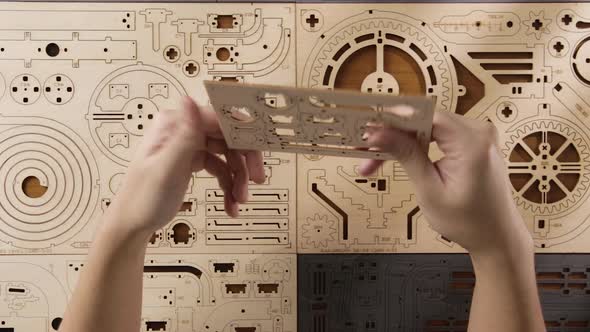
(324,122)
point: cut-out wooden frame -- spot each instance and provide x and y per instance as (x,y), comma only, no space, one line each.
(314,121)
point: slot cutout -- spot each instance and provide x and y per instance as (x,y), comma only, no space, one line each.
(225,21)
(268,288)
(156,325)
(235,288)
(223,267)
(241,114)
(285,132)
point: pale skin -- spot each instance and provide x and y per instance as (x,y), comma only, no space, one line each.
(465,196)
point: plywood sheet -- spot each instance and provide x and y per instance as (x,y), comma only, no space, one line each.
(524,67)
(81,83)
(409,292)
(180,293)
(298,120)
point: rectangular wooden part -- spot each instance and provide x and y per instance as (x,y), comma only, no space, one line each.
(521,66)
(314,121)
(180,293)
(80,84)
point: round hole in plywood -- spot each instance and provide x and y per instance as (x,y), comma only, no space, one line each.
(32,187)
(222,54)
(546,183)
(56,322)
(52,49)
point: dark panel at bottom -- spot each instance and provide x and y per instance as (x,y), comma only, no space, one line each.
(373,293)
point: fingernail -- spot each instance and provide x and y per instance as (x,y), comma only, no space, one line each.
(231,210)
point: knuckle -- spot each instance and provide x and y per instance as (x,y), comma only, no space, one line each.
(487,135)
(483,143)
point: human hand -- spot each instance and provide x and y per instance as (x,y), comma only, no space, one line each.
(181,142)
(466,195)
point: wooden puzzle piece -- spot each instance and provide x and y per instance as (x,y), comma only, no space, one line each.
(283,119)
(96,84)
(406,292)
(240,292)
(521,67)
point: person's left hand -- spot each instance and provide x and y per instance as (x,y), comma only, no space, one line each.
(181,142)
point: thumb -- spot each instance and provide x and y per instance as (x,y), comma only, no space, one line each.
(408,151)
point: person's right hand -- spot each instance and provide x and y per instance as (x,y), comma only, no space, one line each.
(466,195)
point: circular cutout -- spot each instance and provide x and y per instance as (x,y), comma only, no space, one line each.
(548,166)
(52,50)
(558,47)
(125,104)
(362,71)
(506,112)
(139,114)
(55,323)
(581,61)
(58,89)
(380,82)
(33,188)
(190,68)
(381,52)
(222,54)
(61,163)
(171,53)
(115,182)
(25,89)
(311,20)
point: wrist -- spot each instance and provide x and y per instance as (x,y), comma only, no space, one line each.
(117,227)
(514,258)
(508,239)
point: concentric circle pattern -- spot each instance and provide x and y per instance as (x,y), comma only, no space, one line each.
(62,163)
